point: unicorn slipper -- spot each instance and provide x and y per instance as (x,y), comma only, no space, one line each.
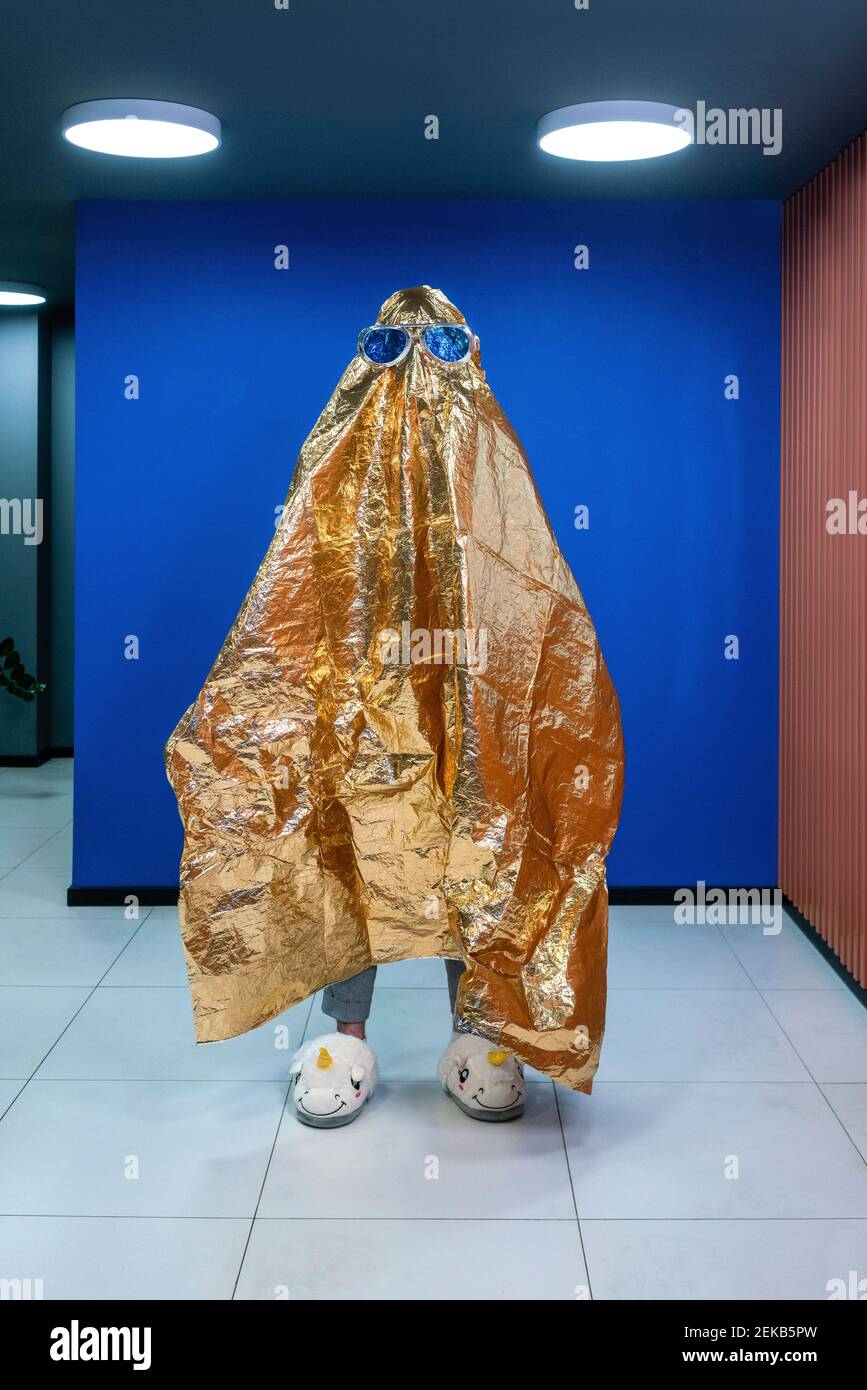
(486,1083)
(334,1076)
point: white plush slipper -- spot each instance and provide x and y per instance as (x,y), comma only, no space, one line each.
(334,1076)
(484,1081)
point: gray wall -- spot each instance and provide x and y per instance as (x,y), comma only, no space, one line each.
(23,567)
(37,460)
(62,530)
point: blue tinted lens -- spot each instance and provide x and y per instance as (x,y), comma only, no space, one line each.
(449,342)
(383,345)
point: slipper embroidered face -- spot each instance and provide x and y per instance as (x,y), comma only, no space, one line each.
(481,1077)
(334,1076)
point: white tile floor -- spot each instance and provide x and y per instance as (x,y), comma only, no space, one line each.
(723,1153)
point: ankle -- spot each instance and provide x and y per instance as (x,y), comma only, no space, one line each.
(353,1030)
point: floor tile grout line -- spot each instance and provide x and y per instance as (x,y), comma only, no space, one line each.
(751,1081)
(718,989)
(267,1167)
(822,1085)
(572,1190)
(5,1111)
(51,837)
(814,1079)
(722,936)
(53,833)
(514,1220)
(50,832)
(746,974)
(385,1081)
(426,989)
(789,1040)
(154,1080)
(761,993)
(388,989)
(6,869)
(820,989)
(800,989)
(252,1219)
(628,1219)
(70,1021)
(542,1220)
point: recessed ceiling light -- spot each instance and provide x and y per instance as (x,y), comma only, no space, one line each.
(613,130)
(16,296)
(142,129)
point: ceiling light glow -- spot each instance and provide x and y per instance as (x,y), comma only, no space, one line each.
(142,129)
(608,131)
(17,296)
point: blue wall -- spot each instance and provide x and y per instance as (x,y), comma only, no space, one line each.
(613,378)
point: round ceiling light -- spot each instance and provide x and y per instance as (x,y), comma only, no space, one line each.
(16,296)
(142,129)
(613,130)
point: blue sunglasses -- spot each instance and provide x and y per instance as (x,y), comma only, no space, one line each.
(386,346)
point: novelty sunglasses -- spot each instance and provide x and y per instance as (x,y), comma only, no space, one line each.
(386,345)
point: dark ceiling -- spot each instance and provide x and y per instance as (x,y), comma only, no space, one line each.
(328,97)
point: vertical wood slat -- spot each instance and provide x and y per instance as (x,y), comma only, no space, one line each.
(823,577)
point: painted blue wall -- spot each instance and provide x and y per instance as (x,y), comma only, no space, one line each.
(614,380)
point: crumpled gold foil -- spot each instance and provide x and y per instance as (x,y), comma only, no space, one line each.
(354,792)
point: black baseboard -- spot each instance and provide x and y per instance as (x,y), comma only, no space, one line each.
(654,896)
(825,950)
(166,896)
(33,759)
(118,897)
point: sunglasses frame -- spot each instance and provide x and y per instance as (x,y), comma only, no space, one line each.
(415,334)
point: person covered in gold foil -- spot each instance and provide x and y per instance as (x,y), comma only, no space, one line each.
(408,746)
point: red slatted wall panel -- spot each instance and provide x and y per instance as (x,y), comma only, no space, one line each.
(823,596)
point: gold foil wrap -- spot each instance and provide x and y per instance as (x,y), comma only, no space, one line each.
(356,789)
